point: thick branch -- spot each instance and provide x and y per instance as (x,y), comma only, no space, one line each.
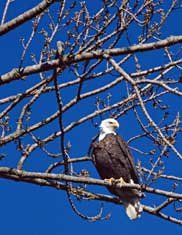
(68,60)
(4,171)
(19,20)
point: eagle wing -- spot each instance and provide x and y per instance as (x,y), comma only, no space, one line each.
(128,158)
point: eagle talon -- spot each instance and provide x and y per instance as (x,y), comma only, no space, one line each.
(110,180)
(120,181)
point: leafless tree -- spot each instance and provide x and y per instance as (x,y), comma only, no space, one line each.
(74,66)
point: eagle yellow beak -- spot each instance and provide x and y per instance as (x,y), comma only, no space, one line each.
(115,125)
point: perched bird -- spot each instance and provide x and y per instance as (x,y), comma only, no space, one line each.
(112,159)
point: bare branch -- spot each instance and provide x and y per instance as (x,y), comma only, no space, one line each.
(67,60)
(21,19)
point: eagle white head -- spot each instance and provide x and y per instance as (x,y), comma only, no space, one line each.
(108,126)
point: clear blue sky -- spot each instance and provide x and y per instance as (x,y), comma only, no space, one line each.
(33,210)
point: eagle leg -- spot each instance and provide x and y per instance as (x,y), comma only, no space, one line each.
(110,180)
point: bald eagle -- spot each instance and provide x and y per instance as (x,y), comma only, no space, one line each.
(112,159)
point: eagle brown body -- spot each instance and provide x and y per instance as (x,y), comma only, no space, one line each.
(112,159)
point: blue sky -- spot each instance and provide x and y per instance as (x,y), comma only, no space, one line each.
(34,210)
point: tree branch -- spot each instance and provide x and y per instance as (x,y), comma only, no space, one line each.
(20,174)
(21,19)
(66,60)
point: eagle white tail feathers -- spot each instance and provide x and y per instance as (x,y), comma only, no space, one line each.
(133,210)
